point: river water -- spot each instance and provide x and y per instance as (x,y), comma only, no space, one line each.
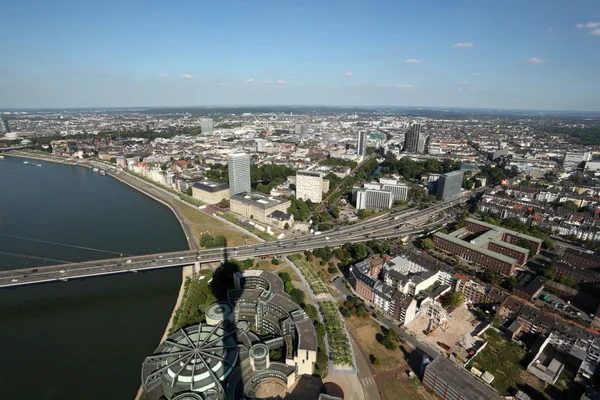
(81,339)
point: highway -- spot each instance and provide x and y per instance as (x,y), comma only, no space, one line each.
(391,225)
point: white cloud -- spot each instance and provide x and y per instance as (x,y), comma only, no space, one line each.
(463,44)
(186,76)
(347,74)
(281,82)
(164,75)
(409,86)
(395,85)
(464,83)
(473,73)
(535,60)
(250,80)
(590,25)
(412,61)
(595,32)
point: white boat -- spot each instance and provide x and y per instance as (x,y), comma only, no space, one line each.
(102,172)
(1,157)
(30,163)
(95,169)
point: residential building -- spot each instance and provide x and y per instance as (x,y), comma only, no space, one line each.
(301,129)
(572,159)
(4,127)
(210,192)
(206,126)
(529,287)
(239,173)
(494,247)
(361,149)
(309,186)
(449,381)
(449,185)
(415,141)
(258,207)
(581,258)
(473,290)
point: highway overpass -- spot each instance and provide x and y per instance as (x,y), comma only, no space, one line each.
(394,224)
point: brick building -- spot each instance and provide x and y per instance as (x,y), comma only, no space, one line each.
(489,246)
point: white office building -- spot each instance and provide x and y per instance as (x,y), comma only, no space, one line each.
(206,125)
(309,185)
(239,173)
(379,196)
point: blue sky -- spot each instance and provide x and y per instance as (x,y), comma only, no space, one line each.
(533,54)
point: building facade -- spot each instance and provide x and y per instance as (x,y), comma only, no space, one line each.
(309,186)
(210,192)
(449,185)
(258,207)
(239,173)
(361,148)
(415,141)
(206,125)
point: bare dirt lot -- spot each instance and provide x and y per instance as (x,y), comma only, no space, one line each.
(460,321)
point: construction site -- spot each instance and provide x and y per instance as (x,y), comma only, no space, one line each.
(453,333)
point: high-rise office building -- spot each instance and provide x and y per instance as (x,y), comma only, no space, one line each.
(362,143)
(4,128)
(301,129)
(206,125)
(415,141)
(449,185)
(309,185)
(239,173)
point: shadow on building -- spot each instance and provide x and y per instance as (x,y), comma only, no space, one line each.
(254,342)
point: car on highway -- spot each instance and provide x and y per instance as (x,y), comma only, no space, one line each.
(169,260)
(62,271)
(34,270)
(15,280)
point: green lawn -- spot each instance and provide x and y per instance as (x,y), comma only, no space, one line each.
(501,358)
(310,273)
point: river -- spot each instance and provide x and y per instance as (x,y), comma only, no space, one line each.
(81,339)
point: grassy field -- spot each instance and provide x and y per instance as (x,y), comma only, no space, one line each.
(293,274)
(201,222)
(311,275)
(365,331)
(502,358)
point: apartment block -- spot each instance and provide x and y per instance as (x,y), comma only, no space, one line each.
(309,186)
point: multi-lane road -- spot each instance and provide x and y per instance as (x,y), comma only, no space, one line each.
(391,225)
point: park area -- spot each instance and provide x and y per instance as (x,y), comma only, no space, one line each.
(339,343)
(310,274)
(196,298)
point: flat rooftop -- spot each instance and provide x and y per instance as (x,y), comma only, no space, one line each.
(210,186)
(260,201)
(501,230)
(460,380)
(476,248)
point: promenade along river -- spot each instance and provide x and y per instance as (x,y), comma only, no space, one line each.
(81,339)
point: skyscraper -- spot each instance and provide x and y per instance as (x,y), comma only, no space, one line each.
(309,185)
(239,173)
(415,141)
(4,128)
(206,125)
(362,143)
(449,185)
(301,129)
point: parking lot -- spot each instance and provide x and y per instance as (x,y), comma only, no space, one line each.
(565,309)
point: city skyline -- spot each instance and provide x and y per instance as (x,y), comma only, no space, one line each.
(72,54)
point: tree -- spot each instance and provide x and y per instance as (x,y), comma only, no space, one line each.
(286,226)
(374,360)
(189,191)
(452,300)
(113,160)
(335,212)
(570,205)
(285,277)
(297,296)
(490,276)
(510,282)
(275,261)
(427,244)
(319,328)
(248,263)
(568,281)
(360,251)
(360,310)
(224,203)
(288,287)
